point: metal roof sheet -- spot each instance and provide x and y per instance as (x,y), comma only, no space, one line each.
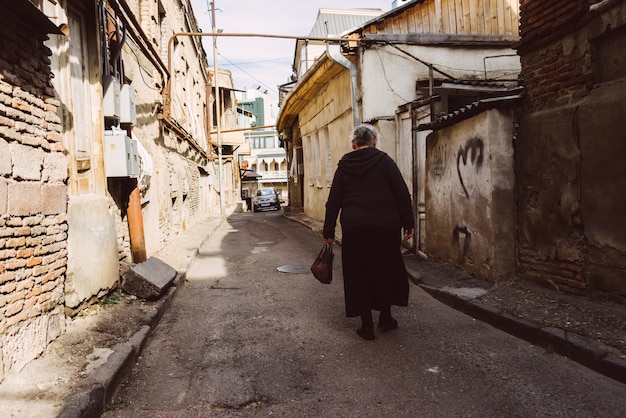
(338,21)
(470,110)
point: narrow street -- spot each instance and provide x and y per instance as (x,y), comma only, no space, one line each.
(244,339)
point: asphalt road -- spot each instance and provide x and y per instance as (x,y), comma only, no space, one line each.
(244,339)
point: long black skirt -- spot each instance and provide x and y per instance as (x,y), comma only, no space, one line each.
(374,274)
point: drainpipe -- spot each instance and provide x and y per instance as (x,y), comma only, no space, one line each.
(334,54)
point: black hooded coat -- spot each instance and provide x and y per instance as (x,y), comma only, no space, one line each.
(374,201)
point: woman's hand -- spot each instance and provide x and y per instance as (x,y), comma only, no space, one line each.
(408,234)
(329,240)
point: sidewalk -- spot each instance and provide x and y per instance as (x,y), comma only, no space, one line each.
(590,332)
(80,371)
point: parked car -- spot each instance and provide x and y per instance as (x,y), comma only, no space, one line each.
(266,198)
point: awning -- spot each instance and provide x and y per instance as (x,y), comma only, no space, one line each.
(250,175)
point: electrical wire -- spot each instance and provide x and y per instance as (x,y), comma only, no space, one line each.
(383,66)
(248,74)
(142,70)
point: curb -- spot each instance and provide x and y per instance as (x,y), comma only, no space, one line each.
(103,383)
(589,353)
(101,386)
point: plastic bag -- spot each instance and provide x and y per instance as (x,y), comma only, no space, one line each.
(322,267)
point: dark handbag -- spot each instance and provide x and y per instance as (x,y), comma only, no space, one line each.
(322,267)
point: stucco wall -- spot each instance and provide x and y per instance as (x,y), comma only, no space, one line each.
(469,195)
(388,76)
(331,112)
(93,267)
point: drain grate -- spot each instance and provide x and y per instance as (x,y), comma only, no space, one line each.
(294,269)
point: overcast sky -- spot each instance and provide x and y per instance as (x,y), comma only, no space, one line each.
(261,61)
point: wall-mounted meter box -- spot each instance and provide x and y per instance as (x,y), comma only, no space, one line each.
(127,105)
(120,154)
(111,96)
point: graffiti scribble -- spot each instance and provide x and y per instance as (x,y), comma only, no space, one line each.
(473,148)
(456,238)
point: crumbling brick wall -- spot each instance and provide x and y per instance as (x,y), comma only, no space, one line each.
(569,175)
(552,76)
(33,200)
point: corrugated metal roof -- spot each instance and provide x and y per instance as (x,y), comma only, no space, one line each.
(469,111)
(338,21)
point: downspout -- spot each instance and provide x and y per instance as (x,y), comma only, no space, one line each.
(334,54)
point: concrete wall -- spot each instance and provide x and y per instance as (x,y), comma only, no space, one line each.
(469,195)
(93,268)
(570,176)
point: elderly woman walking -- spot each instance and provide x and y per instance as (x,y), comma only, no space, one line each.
(375,205)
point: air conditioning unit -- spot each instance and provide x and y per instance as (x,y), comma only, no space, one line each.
(120,154)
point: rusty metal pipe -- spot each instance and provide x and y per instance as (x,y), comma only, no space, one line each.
(135,225)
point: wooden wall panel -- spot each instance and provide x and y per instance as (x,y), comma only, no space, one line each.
(493,16)
(467,26)
(425,19)
(432,13)
(458,16)
(445,17)
(417,17)
(475,17)
(438,21)
(464,17)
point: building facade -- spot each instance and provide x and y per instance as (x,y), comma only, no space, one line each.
(396,71)
(107,153)
(263,161)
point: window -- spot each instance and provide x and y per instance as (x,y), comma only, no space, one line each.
(308,145)
(318,160)
(328,162)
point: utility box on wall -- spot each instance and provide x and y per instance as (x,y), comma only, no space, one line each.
(127,105)
(111,99)
(120,154)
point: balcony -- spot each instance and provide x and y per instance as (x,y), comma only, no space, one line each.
(273,175)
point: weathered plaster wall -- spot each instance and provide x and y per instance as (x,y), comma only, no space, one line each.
(571,193)
(93,267)
(603,184)
(331,112)
(388,76)
(469,195)
(570,176)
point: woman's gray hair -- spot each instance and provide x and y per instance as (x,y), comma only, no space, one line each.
(364,134)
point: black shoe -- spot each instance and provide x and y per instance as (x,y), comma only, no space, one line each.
(388,325)
(366,334)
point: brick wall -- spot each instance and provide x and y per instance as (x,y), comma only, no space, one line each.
(551,74)
(568,169)
(33,221)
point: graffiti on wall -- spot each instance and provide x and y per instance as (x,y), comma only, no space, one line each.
(440,173)
(439,161)
(474,149)
(462,238)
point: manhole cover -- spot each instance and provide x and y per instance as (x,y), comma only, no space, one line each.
(294,269)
